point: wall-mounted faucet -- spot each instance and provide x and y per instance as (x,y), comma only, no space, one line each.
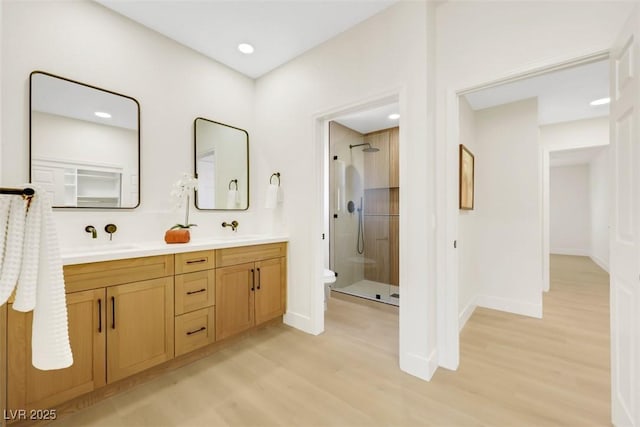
(91,229)
(234,224)
(110,228)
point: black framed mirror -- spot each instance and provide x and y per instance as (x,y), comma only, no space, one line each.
(84,143)
(221,166)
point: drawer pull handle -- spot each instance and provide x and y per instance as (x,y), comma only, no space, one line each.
(196,292)
(259,279)
(197,330)
(197,261)
(253,280)
(99,315)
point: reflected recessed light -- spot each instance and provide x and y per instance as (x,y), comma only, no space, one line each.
(601,101)
(394,116)
(102,114)
(245,48)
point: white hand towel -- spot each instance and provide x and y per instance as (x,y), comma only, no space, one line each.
(14,222)
(41,287)
(232,199)
(271,199)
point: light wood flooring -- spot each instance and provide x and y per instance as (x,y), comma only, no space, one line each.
(514,371)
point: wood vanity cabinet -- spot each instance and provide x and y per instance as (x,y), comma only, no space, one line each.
(250,287)
(126,316)
(115,330)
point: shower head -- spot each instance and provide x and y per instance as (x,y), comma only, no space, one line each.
(367,149)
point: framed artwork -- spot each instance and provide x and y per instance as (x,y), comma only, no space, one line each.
(467,166)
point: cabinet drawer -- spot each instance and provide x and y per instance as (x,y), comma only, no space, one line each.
(240,255)
(194,261)
(82,277)
(195,291)
(195,330)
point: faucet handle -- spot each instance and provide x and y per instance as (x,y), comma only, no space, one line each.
(110,228)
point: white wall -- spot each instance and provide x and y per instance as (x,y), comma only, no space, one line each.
(387,55)
(509,208)
(570,210)
(575,134)
(467,243)
(84,41)
(600,195)
(481,42)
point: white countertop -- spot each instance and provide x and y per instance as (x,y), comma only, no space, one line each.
(114,250)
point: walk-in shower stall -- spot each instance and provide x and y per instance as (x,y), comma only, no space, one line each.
(364,208)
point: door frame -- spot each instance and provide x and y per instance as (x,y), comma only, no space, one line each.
(449,335)
(407,360)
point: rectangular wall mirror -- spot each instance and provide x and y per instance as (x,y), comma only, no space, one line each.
(84,144)
(222,166)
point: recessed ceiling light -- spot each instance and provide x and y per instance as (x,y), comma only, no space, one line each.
(245,48)
(102,114)
(394,116)
(601,101)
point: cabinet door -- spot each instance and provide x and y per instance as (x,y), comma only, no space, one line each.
(235,293)
(31,388)
(139,326)
(270,289)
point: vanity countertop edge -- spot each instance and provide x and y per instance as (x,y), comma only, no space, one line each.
(153,248)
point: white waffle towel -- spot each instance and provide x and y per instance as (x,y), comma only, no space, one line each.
(40,285)
(13,220)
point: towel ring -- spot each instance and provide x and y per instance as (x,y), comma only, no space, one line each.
(233,181)
(277,175)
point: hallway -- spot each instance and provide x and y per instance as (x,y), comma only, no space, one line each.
(517,370)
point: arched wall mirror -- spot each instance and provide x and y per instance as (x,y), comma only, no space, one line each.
(84,144)
(221,165)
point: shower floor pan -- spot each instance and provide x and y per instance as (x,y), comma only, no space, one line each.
(375,291)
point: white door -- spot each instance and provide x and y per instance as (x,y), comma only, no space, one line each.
(625,225)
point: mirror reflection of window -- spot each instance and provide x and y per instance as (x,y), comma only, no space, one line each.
(222,166)
(84,144)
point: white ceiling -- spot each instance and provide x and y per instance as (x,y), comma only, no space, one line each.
(578,156)
(562,95)
(371,120)
(279,30)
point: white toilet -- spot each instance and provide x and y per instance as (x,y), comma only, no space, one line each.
(328,277)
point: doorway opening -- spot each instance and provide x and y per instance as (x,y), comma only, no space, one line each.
(540,188)
(363,208)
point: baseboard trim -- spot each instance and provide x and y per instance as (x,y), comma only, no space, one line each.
(466,314)
(603,265)
(570,251)
(419,366)
(510,306)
